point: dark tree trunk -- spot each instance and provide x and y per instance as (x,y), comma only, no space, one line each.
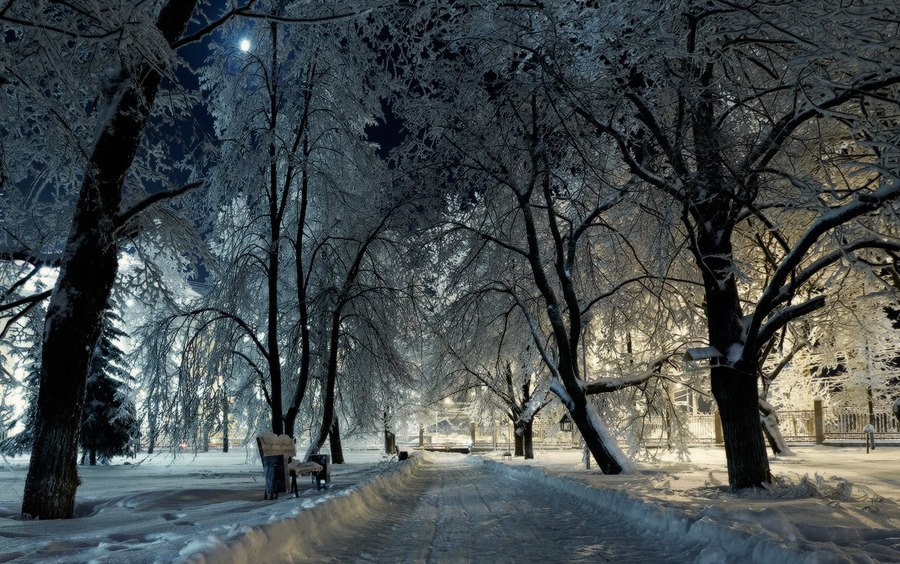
(528,440)
(734,387)
(152,430)
(519,441)
(583,416)
(593,440)
(337,450)
(714,211)
(773,441)
(225,422)
(290,416)
(93,460)
(745,448)
(71,331)
(328,415)
(566,336)
(274,357)
(87,272)
(769,420)
(204,438)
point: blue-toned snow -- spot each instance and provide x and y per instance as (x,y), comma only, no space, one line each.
(209,508)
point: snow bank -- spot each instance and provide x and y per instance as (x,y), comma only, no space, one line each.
(279,540)
(765,537)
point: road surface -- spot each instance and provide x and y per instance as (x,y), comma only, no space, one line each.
(456,510)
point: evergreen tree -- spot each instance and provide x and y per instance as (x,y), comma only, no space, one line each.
(21,442)
(109,419)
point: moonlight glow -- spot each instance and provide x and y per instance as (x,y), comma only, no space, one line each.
(245,45)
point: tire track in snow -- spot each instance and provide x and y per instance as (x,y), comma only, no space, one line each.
(456,510)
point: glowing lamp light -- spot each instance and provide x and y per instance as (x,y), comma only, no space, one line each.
(245,45)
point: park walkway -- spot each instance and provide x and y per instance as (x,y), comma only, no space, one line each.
(456,510)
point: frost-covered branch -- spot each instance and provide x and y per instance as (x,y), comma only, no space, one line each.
(772,143)
(532,408)
(30,303)
(786,315)
(804,275)
(605,385)
(124,217)
(615,289)
(32,299)
(34,259)
(259,374)
(248,331)
(772,295)
(532,326)
(623,144)
(490,238)
(245,12)
(785,360)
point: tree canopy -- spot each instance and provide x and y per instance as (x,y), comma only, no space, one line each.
(314,215)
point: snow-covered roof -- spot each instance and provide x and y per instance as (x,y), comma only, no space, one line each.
(702,353)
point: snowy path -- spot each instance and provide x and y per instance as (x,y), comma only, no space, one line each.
(456,510)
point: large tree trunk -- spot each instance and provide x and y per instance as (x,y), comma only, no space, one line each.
(87,272)
(272,273)
(328,415)
(745,449)
(528,440)
(290,416)
(606,453)
(714,211)
(337,450)
(609,457)
(734,387)
(568,387)
(71,330)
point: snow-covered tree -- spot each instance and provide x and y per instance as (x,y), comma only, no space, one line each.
(748,115)
(302,232)
(107,59)
(482,345)
(22,441)
(109,415)
(109,421)
(91,73)
(518,178)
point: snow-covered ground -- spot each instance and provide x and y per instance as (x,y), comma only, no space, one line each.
(830,505)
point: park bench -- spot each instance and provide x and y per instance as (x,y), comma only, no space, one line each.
(278,456)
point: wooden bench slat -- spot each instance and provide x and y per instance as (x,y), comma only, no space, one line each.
(305,467)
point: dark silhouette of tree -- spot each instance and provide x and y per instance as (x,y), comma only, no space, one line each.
(109,420)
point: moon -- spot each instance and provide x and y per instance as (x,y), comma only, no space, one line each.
(245,45)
